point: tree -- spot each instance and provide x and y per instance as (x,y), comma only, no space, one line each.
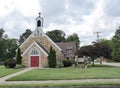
(52,58)
(103,50)
(56,35)
(18,56)
(95,50)
(107,42)
(89,51)
(74,37)
(7,48)
(1,33)
(24,36)
(116,45)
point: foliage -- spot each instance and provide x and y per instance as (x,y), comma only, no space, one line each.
(103,50)
(10,63)
(18,56)
(116,45)
(107,42)
(95,50)
(24,36)
(7,47)
(52,58)
(74,37)
(1,33)
(67,63)
(56,35)
(59,66)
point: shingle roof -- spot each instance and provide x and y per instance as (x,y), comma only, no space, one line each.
(43,48)
(66,45)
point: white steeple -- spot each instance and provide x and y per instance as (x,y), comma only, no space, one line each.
(39,26)
(39,21)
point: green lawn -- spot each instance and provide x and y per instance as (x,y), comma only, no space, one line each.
(6,71)
(61,85)
(69,73)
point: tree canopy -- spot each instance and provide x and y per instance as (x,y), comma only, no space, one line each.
(1,32)
(7,47)
(24,36)
(95,50)
(74,37)
(56,35)
(116,45)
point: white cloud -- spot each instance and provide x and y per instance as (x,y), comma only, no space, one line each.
(80,16)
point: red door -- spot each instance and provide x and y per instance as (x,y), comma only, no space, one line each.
(34,61)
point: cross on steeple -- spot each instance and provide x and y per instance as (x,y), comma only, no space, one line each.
(39,14)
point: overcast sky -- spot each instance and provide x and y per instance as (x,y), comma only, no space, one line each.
(83,17)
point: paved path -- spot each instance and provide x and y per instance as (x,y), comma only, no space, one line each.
(61,81)
(112,64)
(2,79)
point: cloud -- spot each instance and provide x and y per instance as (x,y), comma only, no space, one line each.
(83,17)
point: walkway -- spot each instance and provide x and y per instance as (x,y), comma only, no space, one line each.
(2,79)
(112,64)
(61,81)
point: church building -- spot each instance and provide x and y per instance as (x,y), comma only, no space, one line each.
(35,49)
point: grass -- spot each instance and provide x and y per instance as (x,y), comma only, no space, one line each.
(69,74)
(60,85)
(6,71)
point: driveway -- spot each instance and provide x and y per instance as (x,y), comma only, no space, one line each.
(112,64)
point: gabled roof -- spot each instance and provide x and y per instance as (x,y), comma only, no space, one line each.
(46,37)
(41,48)
(66,45)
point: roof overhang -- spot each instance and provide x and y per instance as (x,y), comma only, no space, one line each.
(34,43)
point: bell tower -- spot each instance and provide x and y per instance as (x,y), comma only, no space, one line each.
(39,21)
(39,26)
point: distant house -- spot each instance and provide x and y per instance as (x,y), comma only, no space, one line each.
(68,48)
(35,49)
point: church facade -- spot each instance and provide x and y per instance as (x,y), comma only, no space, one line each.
(35,49)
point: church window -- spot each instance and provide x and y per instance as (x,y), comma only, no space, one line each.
(34,52)
(38,23)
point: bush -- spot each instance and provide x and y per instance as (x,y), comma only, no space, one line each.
(52,58)
(59,66)
(11,63)
(67,63)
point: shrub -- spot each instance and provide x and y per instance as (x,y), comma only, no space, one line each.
(6,63)
(11,63)
(67,63)
(18,56)
(52,58)
(59,66)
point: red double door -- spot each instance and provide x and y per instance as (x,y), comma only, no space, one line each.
(34,61)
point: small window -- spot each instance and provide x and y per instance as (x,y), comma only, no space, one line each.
(38,23)
(69,51)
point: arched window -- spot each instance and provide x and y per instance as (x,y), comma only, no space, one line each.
(34,52)
(38,23)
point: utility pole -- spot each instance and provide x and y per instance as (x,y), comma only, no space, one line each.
(97,35)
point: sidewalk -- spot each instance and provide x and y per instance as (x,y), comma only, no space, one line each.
(2,80)
(61,81)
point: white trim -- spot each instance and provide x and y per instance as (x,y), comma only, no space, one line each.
(53,42)
(37,46)
(39,36)
(32,35)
